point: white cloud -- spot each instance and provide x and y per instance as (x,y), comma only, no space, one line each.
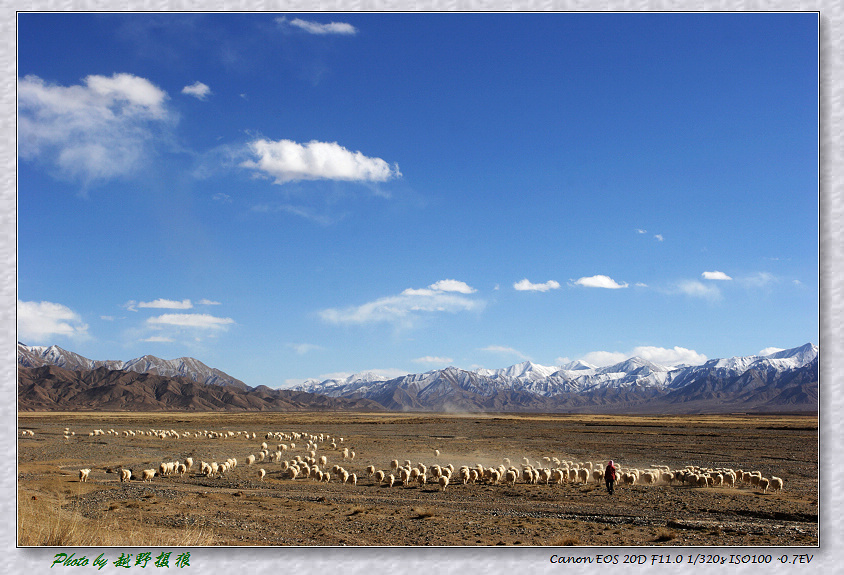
(770,350)
(659,237)
(158,339)
(288,161)
(96,131)
(221,197)
(642,285)
(38,322)
(669,356)
(761,279)
(303,348)
(405,308)
(207,302)
(604,358)
(197,90)
(600,281)
(526,285)
(161,303)
(694,288)
(190,320)
(320,29)
(715,276)
(433,360)
(452,286)
(503,350)
(659,355)
(641,231)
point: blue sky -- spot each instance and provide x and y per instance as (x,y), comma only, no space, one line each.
(287,196)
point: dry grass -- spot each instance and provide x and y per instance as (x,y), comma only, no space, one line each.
(666,535)
(42,521)
(422,513)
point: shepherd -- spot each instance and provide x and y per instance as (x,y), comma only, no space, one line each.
(609,477)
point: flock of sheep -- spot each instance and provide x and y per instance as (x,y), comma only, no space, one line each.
(310,465)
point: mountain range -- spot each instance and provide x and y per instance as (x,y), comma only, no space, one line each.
(54,378)
(784,380)
(187,367)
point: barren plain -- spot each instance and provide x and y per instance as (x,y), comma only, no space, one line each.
(241,509)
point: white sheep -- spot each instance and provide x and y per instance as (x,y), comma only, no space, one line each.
(125,475)
(148,474)
(776,483)
(261,474)
(83,474)
(443,481)
(764,483)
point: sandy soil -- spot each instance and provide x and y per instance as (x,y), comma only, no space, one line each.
(240,509)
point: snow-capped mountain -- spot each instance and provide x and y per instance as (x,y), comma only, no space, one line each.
(784,380)
(37,356)
(530,385)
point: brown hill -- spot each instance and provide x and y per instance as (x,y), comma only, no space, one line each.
(52,388)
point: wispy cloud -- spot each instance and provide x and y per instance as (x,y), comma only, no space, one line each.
(641,231)
(158,339)
(190,320)
(99,130)
(503,350)
(694,288)
(166,304)
(404,309)
(660,355)
(759,280)
(715,275)
(301,211)
(526,285)
(303,348)
(38,322)
(289,161)
(433,360)
(311,27)
(207,302)
(599,281)
(197,90)
(659,237)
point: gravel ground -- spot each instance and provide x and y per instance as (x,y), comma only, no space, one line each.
(239,509)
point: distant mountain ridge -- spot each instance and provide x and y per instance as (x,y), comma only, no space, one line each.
(187,367)
(51,388)
(786,379)
(54,378)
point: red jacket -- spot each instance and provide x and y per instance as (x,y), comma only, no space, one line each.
(609,474)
